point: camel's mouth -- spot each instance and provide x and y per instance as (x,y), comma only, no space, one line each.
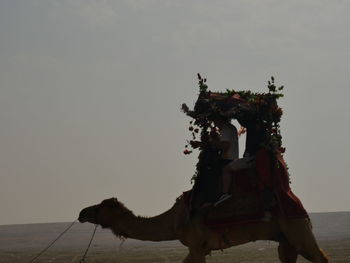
(88,215)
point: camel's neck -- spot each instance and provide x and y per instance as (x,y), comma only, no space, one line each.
(158,228)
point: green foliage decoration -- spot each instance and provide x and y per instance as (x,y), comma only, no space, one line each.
(235,104)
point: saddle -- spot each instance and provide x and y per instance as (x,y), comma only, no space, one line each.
(244,206)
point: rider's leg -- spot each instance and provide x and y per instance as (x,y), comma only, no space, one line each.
(228,170)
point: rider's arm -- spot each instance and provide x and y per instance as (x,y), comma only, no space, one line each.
(222,145)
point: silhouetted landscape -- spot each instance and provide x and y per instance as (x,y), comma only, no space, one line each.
(19,243)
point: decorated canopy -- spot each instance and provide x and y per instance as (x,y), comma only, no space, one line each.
(240,105)
(261,109)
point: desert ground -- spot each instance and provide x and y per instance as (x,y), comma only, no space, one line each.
(260,252)
(20,243)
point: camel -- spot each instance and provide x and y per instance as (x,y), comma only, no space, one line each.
(294,235)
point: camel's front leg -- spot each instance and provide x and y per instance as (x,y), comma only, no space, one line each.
(195,256)
(191,259)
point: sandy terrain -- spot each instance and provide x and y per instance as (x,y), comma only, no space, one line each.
(339,251)
(19,243)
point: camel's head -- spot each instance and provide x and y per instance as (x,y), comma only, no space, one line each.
(104,214)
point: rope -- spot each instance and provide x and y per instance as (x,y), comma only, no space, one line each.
(53,242)
(88,247)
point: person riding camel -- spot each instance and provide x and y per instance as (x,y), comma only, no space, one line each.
(226,140)
(228,144)
(256,135)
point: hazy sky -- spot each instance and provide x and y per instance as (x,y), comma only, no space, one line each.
(90,92)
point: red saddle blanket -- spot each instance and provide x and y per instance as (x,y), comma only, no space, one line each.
(277,178)
(246,204)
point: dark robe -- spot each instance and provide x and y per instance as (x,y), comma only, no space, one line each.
(271,168)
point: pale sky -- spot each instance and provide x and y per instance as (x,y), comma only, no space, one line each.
(90,92)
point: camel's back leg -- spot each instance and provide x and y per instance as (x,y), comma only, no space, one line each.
(196,255)
(287,253)
(323,256)
(187,259)
(299,235)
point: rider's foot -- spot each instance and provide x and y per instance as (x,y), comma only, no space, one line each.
(222,198)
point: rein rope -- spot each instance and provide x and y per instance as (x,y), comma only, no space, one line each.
(88,247)
(53,242)
(82,260)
